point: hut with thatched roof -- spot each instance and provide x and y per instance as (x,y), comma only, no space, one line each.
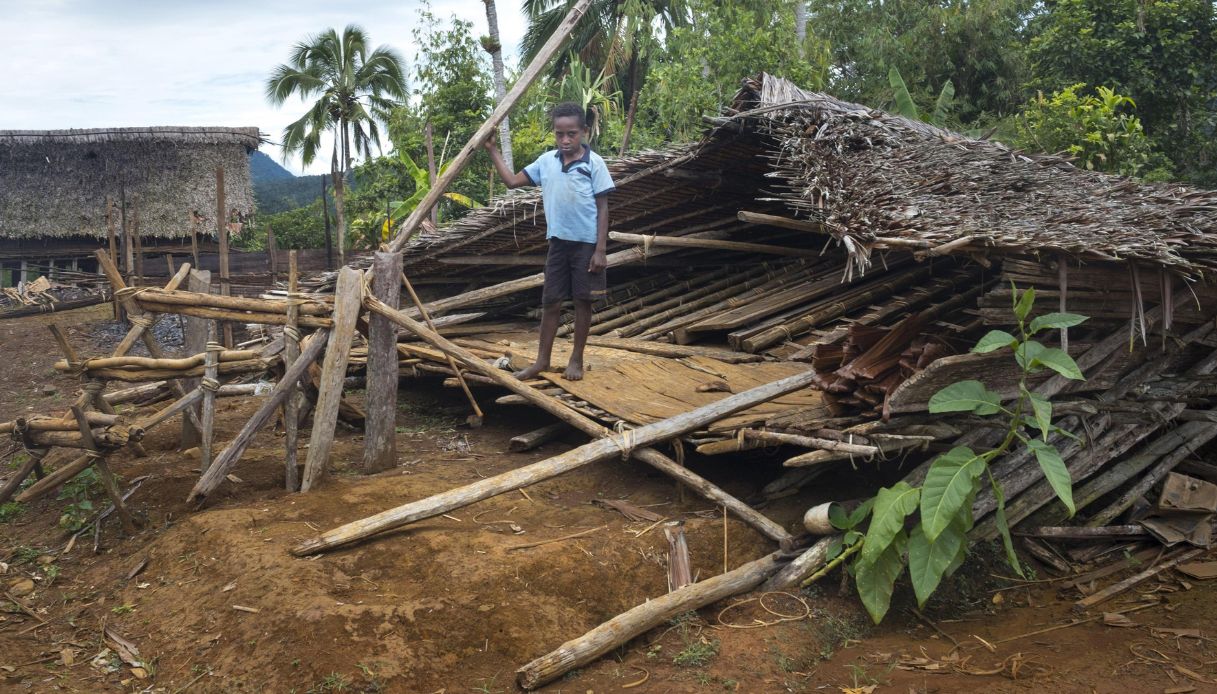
(65,192)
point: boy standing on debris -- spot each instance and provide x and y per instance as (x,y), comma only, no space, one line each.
(575,185)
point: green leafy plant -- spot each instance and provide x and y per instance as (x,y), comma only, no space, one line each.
(937,543)
(9,510)
(907,108)
(80,490)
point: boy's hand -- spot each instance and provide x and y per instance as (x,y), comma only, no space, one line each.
(599,261)
(491,143)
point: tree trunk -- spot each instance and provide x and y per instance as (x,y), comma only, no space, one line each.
(337,174)
(495,47)
(800,23)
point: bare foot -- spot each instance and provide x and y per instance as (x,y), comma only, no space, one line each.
(531,372)
(574,371)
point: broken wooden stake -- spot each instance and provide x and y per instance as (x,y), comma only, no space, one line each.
(537,437)
(380,426)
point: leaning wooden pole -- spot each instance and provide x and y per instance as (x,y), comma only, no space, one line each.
(650,614)
(601,449)
(474,420)
(558,409)
(508,102)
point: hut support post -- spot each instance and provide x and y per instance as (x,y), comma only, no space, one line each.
(271,260)
(291,402)
(333,371)
(209,386)
(230,455)
(380,441)
(136,242)
(222,236)
(196,342)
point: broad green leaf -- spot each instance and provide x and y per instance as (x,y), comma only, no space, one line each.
(1055,321)
(1054,471)
(994,340)
(1060,362)
(1043,412)
(892,504)
(966,396)
(942,106)
(876,578)
(463,200)
(834,549)
(851,538)
(1025,302)
(900,92)
(859,514)
(838,517)
(1026,353)
(949,483)
(1003,529)
(929,560)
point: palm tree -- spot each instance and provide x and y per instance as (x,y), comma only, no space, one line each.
(354,89)
(494,47)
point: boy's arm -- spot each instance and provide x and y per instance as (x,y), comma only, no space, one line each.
(599,256)
(511,180)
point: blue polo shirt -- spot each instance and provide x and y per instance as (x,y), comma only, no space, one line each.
(569,193)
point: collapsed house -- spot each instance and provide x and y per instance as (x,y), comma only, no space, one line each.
(803,279)
(138,190)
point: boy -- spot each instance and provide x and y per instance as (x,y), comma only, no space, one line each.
(575,185)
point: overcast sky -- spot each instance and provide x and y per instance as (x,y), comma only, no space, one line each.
(125,63)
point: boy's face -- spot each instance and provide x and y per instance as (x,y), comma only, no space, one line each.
(568,135)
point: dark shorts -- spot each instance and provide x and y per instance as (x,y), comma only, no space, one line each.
(566,275)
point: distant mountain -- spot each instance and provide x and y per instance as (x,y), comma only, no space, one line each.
(276,189)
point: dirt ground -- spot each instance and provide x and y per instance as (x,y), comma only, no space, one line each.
(450,605)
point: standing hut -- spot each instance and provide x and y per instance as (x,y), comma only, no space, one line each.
(65,192)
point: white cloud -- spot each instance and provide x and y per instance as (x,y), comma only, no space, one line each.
(126,63)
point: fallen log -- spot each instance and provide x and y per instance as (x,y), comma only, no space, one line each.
(55,479)
(37,309)
(620,629)
(142,363)
(600,449)
(537,437)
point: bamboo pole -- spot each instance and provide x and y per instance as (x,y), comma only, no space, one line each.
(638,620)
(211,479)
(333,372)
(291,402)
(649,240)
(599,449)
(177,297)
(457,164)
(781,222)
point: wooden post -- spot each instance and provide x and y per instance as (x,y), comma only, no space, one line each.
(222,236)
(291,403)
(230,455)
(272,262)
(128,251)
(112,237)
(620,629)
(457,165)
(137,242)
(600,449)
(103,471)
(431,168)
(195,343)
(333,372)
(194,237)
(379,439)
(329,242)
(209,385)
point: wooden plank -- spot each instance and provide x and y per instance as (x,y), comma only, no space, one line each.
(195,343)
(380,440)
(665,349)
(458,163)
(230,455)
(333,372)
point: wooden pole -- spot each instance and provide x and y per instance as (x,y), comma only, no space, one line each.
(475,419)
(103,471)
(291,402)
(194,238)
(222,237)
(638,620)
(329,242)
(272,261)
(649,240)
(195,343)
(128,249)
(210,384)
(229,456)
(597,450)
(457,164)
(112,237)
(33,460)
(430,144)
(333,372)
(380,428)
(137,242)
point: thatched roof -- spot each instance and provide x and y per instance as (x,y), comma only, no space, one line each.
(870,176)
(876,181)
(55,183)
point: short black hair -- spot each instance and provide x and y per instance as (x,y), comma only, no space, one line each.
(569,109)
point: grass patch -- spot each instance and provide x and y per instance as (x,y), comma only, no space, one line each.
(9,510)
(697,653)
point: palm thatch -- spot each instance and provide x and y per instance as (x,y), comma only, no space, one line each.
(54,183)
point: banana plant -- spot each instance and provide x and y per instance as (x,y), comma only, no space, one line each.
(904,100)
(400,209)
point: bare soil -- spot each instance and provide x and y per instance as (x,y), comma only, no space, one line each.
(448,605)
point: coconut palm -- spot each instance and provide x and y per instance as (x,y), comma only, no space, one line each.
(494,47)
(354,88)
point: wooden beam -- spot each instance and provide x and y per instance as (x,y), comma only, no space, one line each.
(457,164)
(492,259)
(380,427)
(782,222)
(649,240)
(333,372)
